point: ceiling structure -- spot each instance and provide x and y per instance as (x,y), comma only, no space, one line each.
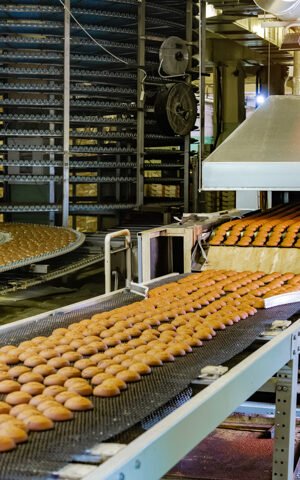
(243,22)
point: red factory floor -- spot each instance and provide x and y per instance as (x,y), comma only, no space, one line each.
(227,454)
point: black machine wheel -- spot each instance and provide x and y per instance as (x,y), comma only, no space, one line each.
(176,109)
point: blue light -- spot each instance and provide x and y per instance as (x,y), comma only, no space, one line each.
(260,99)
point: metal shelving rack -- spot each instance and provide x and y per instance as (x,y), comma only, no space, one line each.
(78,130)
(173,162)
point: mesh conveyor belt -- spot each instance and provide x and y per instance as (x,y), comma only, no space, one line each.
(59,104)
(91,164)
(78,164)
(79,240)
(13,41)
(88,134)
(49,451)
(57,149)
(91,208)
(73,179)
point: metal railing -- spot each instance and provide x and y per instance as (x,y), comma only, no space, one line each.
(108,253)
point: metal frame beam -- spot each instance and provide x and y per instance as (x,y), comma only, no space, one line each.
(66,138)
(285,420)
(152,454)
(189,40)
(141,76)
(202,53)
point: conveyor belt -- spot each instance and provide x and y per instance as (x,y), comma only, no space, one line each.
(13,281)
(88,208)
(49,451)
(26,260)
(59,149)
(91,164)
(55,43)
(87,134)
(14,179)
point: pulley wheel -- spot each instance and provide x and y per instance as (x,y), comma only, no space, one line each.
(176,109)
(174,56)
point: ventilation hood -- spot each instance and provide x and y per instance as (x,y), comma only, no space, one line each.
(283,9)
(263,153)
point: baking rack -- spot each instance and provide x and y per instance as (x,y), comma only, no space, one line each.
(104,162)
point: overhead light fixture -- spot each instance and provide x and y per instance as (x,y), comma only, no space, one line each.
(211,11)
(260,99)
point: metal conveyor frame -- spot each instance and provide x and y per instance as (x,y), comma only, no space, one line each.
(153,453)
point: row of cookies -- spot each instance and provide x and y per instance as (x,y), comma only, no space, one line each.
(277,227)
(30,240)
(100,356)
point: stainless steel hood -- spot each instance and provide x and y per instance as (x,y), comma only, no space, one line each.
(263,153)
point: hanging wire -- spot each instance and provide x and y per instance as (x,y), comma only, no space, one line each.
(91,37)
(142,97)
(168,76)
(104,48)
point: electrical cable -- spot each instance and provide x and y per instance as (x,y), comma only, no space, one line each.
(104,48)
(142,96)
(90,36)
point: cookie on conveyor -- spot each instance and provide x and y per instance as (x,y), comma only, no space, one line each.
(78,403)
(6,443)
(38,423)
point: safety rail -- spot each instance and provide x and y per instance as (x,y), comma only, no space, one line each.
(108,252)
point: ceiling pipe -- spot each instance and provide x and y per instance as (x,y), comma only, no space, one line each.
(296,73)
(283,9)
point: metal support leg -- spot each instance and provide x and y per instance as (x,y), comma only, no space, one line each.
(285,417)
(140,258)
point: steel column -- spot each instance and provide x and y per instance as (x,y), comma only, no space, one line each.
(186,182)
(141,76)
(202,49)
(296,74)
(51,168)
(285,420)
(66,139)
(189,40)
